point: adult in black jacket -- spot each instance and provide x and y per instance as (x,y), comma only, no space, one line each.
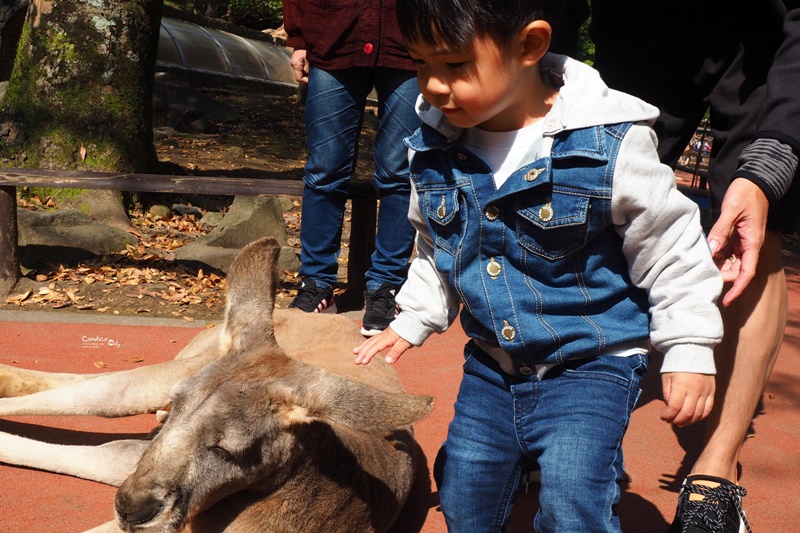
(741,61)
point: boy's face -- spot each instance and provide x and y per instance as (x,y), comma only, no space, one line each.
(480,86)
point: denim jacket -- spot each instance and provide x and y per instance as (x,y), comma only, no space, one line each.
(561,261)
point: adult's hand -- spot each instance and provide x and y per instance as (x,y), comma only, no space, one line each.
(300,66)
(738,234)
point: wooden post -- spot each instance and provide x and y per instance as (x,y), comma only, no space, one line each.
(9,259)
(363,222)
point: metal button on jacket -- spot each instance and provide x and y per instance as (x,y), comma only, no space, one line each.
(492,212)
(493,268)
(508,332)
(533,173)
(546,212)
(525,370)
(441,211)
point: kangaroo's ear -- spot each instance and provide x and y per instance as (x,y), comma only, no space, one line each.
(252,282)
(338,400)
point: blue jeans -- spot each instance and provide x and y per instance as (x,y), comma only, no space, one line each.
(334,115)
(571,422)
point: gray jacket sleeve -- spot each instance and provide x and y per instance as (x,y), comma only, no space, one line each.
(667,256)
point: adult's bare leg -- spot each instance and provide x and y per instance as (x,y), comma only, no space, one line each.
(754,326)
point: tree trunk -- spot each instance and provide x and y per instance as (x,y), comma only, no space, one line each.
(9,266)
(80,94)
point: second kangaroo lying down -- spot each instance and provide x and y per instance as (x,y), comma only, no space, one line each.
(255,440)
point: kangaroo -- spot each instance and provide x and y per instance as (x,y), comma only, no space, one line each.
(270,427)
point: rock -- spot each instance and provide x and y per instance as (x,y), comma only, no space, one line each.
(219,259)
(162,133)
(249,219)
(212,219)
(189,120)
(160,211)
(102,205)
(209,203)
(235,152)
(66,236)
(204,256)
(182,209)
(287,204)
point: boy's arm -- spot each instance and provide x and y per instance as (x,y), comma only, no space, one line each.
(427,303)
(689,397)
(667,256)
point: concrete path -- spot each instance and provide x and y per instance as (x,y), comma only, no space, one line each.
(657,456)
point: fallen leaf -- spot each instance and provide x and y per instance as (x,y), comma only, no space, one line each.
(17,298)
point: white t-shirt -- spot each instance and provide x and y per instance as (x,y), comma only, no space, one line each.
(505,151)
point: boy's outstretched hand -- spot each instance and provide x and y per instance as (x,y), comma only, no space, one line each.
(689,397)
(385,339)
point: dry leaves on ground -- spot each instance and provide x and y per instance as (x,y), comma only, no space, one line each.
(144,278)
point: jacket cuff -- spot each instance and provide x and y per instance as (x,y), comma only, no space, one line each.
(693,358)
(298,43)
(763,185)
(411,328)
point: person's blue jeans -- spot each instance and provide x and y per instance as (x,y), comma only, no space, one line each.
(334,115)
(571,422)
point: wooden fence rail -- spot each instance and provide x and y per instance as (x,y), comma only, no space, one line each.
(362,196)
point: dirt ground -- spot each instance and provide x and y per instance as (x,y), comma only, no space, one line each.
(267,142)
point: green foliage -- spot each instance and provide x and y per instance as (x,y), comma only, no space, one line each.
(259,9)
(585,44)
(256,14)
(46,193)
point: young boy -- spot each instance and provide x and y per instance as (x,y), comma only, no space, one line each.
(543,213)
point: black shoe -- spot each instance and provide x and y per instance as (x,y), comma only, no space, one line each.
(313,299)
(380,309)
(719,511)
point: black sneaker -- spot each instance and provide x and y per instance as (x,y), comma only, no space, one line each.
(719,510)
(313,299)
(380,309)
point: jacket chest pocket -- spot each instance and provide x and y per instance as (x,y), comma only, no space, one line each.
(444,218)
(552,226)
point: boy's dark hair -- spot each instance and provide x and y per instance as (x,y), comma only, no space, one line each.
(458,22)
